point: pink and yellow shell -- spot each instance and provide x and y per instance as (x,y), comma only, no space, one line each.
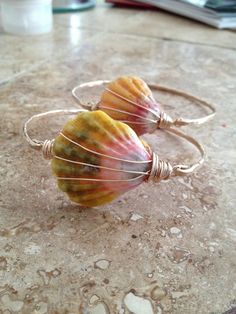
(96,159)
(130,100)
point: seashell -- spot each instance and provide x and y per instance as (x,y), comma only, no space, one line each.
(96,158)
(130,100)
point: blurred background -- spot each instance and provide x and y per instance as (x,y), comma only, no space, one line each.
(35,16)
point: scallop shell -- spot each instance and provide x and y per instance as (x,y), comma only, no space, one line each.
(130,100)
(96,159)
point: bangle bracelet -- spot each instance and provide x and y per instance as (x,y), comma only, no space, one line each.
(96,158)
(129,99)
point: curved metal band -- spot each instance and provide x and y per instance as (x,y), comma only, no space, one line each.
(182,121)
(46,145)
(184,169)
(160,169)
(166,121)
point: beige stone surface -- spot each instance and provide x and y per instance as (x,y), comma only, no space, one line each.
(161,248)
(22,54)
(152,23)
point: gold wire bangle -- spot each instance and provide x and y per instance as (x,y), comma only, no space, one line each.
(159,170)
(165,121)
(46,145)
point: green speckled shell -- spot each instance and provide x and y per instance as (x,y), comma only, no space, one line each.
(87,157)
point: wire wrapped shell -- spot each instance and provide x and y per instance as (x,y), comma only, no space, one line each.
(130,100)
(96,159)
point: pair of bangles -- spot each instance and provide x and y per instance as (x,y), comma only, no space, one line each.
(98,155)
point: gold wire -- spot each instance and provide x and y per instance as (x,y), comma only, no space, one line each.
(160,170)
(164,120)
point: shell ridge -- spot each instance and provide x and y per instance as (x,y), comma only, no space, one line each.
(112,157)
(107,129)
(78,186)
(95,123)
(96,159)
(132,122)
(73,129)
(117,150)
(74,152)
(91,197)
(140,88)
(125,135)
(132,142)
(112,100)
(98,166)
(92,202)
(95,201)
(132,102)
(131,114)
(141,85)
(126,85)
(101,180)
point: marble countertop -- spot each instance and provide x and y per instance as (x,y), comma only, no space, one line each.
(161,248)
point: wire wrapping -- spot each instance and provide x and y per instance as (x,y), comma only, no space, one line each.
(164,120)
(159,169)
(47,149)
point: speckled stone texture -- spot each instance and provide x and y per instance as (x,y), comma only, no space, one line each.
(162,248)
